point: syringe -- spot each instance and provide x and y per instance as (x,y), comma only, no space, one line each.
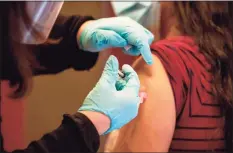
(121,74)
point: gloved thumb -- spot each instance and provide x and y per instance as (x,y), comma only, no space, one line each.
(131,77)
(110,73)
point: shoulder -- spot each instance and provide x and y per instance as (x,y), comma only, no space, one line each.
(156,113)
(154,78)
(169,74)
(171,60)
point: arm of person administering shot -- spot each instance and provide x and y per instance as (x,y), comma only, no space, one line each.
(61,51)
(104,109)
(152,129)
(78,40)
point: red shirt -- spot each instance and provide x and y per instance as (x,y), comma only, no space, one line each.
(199,125)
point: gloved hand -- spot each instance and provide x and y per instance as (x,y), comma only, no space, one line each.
(116,32)
(120,106)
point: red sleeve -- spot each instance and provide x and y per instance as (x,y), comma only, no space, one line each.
(173,60)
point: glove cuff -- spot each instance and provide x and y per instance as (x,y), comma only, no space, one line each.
(84,108)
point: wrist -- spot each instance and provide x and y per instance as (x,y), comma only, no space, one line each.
(100,121)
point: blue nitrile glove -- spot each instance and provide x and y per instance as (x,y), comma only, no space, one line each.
(117,32)
(120,106)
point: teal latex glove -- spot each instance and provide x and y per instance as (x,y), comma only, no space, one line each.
(121,106)
(105,33)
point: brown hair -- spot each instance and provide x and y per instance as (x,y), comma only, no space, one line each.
(18,60)
(211,24)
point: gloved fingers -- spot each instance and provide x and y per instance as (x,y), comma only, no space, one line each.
(110,73)
(141,29)
(131,51)
(145,51)
(134,51)
(150,36)
(120,84)
(127,69)
(107,38)
(132,81)
(98,39)
(140,44)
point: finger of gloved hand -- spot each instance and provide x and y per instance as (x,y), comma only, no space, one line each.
(127,69)
(108,38)
(145,51)
(110,73)
(117,24)
(120,84)
(132,85)
(149,35)
(131,78)
(133,51)
(102,39)
(140,42)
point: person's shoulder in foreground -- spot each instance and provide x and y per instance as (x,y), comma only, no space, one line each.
(176,79)
(187,72)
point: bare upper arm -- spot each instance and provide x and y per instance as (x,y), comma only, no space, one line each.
(152,130)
